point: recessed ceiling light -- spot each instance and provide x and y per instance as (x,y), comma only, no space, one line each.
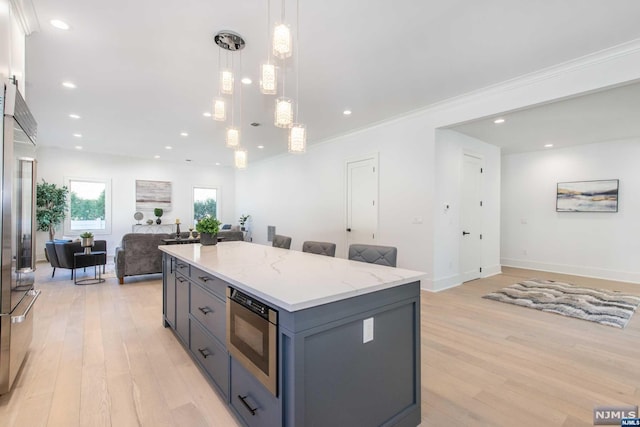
(246,81)
(61,25)
(77,135)
(498,121)
(347,112)
(168,147)
(78,147)
(184,134)
(69,85)
(261,146)
(206,114)
(217,163)
(74,116)
(156,157)
(548,145)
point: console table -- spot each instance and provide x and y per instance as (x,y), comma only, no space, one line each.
(153,228)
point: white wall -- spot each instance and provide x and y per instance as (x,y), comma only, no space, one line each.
(449,151)
(12,45)
(535,236)
(304,196)
(56,164)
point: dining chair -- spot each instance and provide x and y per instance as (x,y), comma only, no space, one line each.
(283,242)
(319,248)
(373,254)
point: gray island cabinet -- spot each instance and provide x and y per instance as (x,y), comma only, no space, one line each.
(347,340)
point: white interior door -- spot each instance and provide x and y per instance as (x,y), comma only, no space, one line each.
(471,219)
(362,200)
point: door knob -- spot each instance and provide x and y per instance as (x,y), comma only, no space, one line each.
(348,229)
(464,233)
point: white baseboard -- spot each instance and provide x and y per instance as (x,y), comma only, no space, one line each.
(449,282)
(576,270)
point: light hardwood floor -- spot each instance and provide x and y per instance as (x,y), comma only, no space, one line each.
(100,356)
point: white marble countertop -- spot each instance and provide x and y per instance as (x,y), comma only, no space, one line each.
(288,279)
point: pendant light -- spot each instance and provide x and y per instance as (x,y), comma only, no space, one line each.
(268,77)
(219,103)
(298,131)
(240,157)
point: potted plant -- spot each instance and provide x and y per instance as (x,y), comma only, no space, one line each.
(243,220)
(51,206)
(208,228)
(158,212)
(87,241)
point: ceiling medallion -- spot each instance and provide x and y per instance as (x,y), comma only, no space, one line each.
(229,40)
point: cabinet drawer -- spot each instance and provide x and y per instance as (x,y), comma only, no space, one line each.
(210,311)
(211,355)
(212,283)
(255,404)
(182,267)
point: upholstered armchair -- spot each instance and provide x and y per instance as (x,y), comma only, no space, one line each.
(59,253)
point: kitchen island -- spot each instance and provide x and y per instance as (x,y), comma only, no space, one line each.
(347,340)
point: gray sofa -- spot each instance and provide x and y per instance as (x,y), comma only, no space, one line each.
(139,254)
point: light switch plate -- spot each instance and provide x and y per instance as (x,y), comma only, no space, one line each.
(367,330)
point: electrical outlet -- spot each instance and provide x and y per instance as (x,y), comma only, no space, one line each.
(367,330)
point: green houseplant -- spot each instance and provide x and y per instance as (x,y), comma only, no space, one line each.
(208,228)
(158,212)
(51,206)
(87,241)
(243,221)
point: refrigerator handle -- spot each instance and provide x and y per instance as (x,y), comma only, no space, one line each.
(21,318)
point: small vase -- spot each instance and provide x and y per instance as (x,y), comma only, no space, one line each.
(158,221)
(208,239)
(87,243)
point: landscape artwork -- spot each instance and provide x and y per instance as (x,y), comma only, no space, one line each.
(153,194)
(588,196)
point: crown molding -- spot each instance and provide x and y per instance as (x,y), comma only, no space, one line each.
(25,14)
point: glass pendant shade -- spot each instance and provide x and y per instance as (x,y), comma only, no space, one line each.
(282,41)
(233,137)
(241,159)
(268,82)
(297,138)
(219,110)
(284,112)
(226,82)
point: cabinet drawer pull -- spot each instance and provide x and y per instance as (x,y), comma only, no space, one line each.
(181,280)
(246,405)
(205,310)
(181,265)
(205,352)
(205,279)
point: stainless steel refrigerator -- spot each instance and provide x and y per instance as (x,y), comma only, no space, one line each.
(17,228)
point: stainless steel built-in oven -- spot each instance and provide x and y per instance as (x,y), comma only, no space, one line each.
(252,335)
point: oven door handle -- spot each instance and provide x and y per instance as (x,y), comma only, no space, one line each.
(22,317)
(246,405)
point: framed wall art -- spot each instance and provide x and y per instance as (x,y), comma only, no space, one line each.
(153,194)
(587,196)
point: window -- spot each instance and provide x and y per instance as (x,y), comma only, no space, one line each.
(89,206)
(205,202)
